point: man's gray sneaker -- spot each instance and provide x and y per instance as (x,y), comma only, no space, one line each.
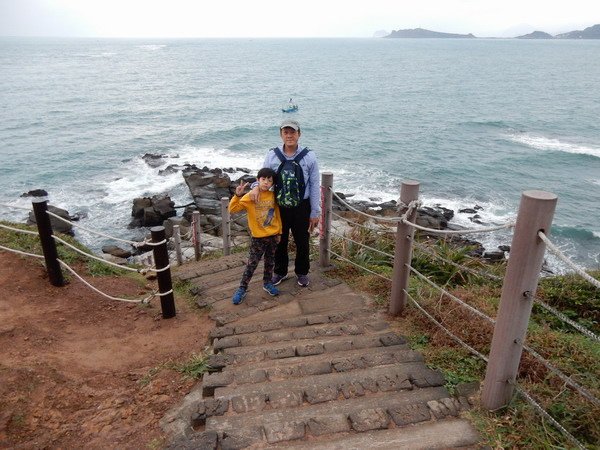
(278,279)
(303,280)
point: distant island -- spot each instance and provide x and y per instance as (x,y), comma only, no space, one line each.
(422,33)
(592,32)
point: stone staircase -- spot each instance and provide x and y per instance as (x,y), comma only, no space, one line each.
(314,368)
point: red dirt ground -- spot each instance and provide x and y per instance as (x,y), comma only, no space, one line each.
(74,366)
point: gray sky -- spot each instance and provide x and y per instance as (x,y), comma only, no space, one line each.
(304,18)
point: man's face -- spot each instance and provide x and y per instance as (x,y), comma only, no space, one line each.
(290,137)
(265,183)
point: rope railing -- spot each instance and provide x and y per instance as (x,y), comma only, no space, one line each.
(521,391)
(410,207)
(505,226)
(144,300)
(19,252)
(358,265)
(560,255)
(363,245)
(98,233)
(15,207)
(565,319)
(110,263)
(482,273)
(18,230)
(370,227)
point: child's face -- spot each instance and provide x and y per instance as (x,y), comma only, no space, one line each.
(265,183)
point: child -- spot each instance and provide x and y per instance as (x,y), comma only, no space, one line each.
(264,222)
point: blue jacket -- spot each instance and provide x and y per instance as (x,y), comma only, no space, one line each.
(310,168)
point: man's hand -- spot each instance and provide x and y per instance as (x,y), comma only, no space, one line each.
(254,194)
(239,190)
(314,222)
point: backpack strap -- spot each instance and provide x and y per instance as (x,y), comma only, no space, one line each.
(301,155)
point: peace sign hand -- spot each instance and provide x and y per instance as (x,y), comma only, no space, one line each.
(239,190)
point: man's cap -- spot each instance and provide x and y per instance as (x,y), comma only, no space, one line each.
(291,124)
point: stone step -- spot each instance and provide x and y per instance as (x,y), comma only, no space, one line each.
(353,328)
(209,266)
(286,369)
(357,414)
(319,388)
(305,347)
(449,433)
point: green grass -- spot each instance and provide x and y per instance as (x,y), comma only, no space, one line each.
(194,367)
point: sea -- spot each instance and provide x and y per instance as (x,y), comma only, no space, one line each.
(475,121)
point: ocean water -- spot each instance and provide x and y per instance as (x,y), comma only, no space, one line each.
(474,121)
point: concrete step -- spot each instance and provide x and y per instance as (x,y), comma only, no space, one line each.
(319,388)
(449,433)
(203,267)
(357,415)
(298,367)
(353,328)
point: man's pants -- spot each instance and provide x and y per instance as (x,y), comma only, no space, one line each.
(295,220)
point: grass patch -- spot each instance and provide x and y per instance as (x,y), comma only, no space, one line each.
(194,367)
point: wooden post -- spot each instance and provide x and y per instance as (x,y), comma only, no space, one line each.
(196,234)
(225,225)
(161,260)
(403,251)
(325,223)
(42,219)
(520,283)
(177,241)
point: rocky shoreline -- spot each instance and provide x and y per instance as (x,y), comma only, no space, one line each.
(208,185)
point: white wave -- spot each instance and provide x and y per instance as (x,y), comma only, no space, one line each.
(544,143)
(597,182)
(596,234)
(152,47)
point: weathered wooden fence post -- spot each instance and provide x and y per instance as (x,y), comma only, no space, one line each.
(177,242)
(42,219)
(403,250)
(161,260)
(225,225)
(196,234)
(325,223)
(520,283)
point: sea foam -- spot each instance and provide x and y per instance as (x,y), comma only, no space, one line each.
(544,143)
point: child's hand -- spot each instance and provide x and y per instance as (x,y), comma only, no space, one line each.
(239,191)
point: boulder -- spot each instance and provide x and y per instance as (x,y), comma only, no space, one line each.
(35,193)
(116,251)
(56,224)
(152,211)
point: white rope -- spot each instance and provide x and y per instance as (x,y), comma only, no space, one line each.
(547,416)
(19,230)
(143,300)
(456,299)
(411,206)
(554,249)
(564,318)
(359,266)
(134,243)
(425,249)
(374,227)
(16,207)
(110,263)
(20,252)
(583,391)
(362,245)
(507,225)
(448,332)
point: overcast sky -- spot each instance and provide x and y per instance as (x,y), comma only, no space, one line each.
(303,18)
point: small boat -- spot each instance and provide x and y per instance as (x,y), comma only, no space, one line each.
(289,107)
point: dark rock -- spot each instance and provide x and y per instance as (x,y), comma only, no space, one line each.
(504,248)
(494,256)
(148,212)
(467,211)
(116,251)
(154,160)
(35,193)
(56,224)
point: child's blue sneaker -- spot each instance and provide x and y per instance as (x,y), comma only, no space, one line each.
(239,295)
(272,290)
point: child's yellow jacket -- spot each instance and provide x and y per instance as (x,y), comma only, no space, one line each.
(263,216)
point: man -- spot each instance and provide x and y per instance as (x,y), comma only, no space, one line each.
(302,218)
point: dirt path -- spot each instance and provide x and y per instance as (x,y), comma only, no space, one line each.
(77,370)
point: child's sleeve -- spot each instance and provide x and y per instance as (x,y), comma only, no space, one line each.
(235,204)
